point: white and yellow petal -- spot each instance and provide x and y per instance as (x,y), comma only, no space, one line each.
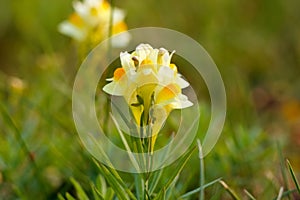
(180,102)
(118,15)
(118,85)
(126,61)
(181,82)
(166,75)
(142,51)
(74,31)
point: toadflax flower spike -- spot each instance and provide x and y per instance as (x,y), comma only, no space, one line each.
(151,86)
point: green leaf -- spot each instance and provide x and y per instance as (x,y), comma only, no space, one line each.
(282,168)
(182,161)
(115,181)
(202,177)
(109,194)
(286,193)
(126,145)
(293,176)
(249,194)
(101,184)
(60,197)
(155,176)
(96,193)
(229,190)
(161,195)
(200,188)
(280,194)
(69,197)
(112,180)
(79,191)
(139,186)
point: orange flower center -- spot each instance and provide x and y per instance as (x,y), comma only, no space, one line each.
(119,72)
(76,20)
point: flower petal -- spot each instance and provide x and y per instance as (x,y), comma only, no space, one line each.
(165,75)
(126,61)
(181,82)
(114,88)
(121,40)
(73,31)
(181,101)
(118,15)
(142,51)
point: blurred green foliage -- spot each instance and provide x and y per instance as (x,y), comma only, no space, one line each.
(255,44)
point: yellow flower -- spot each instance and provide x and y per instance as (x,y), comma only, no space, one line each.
(17,84)
(151,86)
(90,22)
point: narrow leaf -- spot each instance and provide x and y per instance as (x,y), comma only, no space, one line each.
(139,186)
(157,175)
(282,168)
(161,195)
(101,184)
(131,156)
(229,190)
(60,197)
(202,177)
(115,184)
(96,193)
(109,194)
(200,188)
(280,193)
(249,194)
(293,176)
(183,160)
(69,197)
(79,191)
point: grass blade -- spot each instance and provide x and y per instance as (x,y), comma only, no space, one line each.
(249,194)
(183,160)
(18,135)
(69,196)
(293,176)
(287,193)
(131,156)
(229,190)
(112,180)
(79,191)
(96,193)
(280,193)
(157,175)
(200,188)
(161,195)
(139,186)
(202,178)
(109,194)
(282,168)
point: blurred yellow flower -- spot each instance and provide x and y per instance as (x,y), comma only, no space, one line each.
(90,22)
(150,84)
(17,84)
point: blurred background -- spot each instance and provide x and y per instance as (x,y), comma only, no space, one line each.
(255,44)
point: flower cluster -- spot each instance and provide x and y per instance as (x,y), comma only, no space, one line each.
(90,22)
(150,84)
